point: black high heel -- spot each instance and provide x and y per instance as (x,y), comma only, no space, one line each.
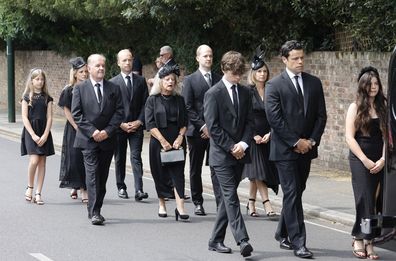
(253,213)
(182,216)
(270,213)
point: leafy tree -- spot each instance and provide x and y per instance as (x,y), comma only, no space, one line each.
(87,26)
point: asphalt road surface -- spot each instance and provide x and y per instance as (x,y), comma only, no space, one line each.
(60,230)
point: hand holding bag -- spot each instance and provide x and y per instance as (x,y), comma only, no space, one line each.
(172,156)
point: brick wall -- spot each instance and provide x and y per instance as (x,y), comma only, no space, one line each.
(337,70)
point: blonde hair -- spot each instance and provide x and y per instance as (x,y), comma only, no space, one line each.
(72,76)
(29,89)
(252,75)
(156,89)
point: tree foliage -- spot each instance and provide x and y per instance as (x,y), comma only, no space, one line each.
(87,26)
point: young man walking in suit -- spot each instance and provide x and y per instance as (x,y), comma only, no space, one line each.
(134,95)
(97,110)
(195,86)
(296,112)
(228,117)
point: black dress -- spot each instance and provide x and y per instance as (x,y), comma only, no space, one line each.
(261,168)
(37,115)
(171,110)
(365,184)
(72,171)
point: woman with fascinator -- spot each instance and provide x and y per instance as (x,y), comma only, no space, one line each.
(261,172)
(72,171)
(365,132)
(166,119)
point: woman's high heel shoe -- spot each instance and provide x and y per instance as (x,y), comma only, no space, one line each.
(270,213)
(253,213)
(28,196)
(182,216)
(37,199)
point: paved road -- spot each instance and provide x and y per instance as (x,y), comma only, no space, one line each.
(60,230)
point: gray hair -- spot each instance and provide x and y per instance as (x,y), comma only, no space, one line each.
(167,49)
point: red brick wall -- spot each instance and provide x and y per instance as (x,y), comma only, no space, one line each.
(337,70)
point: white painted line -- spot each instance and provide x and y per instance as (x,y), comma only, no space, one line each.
(40,257)
(334,229)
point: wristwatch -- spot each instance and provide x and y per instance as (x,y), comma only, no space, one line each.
(313,142)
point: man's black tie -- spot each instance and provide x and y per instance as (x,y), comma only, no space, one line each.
(129,85)
(300,94)
(235,99)
(99,92)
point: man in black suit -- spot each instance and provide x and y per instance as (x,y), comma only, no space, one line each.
(97,110)
(166,55)
(296,112)
(134,95)
(228,117)
(195,86)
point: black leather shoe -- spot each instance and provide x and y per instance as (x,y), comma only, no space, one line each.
(303,252)
(284,242)
(140,195)
(219,247)
(96,220)
(122,193)
(199,210)
(246,248)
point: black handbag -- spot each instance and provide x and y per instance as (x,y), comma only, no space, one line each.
(172,156)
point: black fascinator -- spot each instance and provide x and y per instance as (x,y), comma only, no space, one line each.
(368,69)
(166,70)
(77,62)
(258,58)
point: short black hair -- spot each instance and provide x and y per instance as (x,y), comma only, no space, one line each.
(289,46)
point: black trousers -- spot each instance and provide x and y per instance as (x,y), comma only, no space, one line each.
(229,211)
(97,163)
(197,148)
(293,176)
(135,141)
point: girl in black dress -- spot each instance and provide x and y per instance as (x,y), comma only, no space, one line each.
(365,131)
(72,171)
(261,172)
(166,119)
(36,140)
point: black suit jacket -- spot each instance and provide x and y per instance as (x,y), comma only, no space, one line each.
(287,118)
(134,105)
(225,128)
(91,116)
(194,89)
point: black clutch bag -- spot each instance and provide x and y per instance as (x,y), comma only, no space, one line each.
(172,156)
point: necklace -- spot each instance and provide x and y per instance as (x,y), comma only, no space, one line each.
(166,97)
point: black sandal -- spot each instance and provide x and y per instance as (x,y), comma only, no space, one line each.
(269,213)
(253,213)
(358,252)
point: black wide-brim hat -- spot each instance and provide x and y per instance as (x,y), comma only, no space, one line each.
(166,70)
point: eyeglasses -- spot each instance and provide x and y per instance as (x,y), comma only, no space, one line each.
(163,54)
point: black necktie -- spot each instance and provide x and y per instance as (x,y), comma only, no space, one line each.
(129,85)
(235,99)
(300,94)
(208,79)
(97,85)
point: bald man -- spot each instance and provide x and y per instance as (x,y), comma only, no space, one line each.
(134,95)
(195,86)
